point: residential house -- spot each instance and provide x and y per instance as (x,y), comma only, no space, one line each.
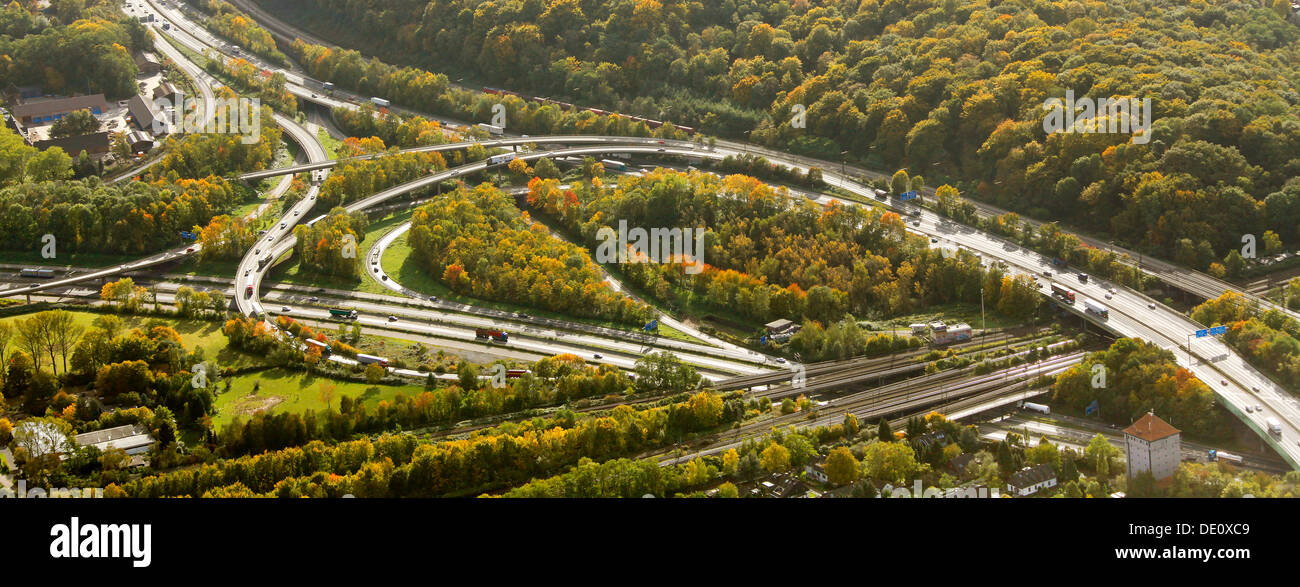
(1031,480)
(147,63)
(142,113)
(816,471)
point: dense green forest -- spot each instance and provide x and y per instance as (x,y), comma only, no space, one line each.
(74,47)
(954,90)
(767,255)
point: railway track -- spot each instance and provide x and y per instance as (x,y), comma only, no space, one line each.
(867,372)
(896,402)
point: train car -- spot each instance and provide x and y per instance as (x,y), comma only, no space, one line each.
(1218,455)
(952,335)
(516,373)
(491,129)
(38,272)
(380,102)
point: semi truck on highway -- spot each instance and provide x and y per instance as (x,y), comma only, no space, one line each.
(614,165)
(1033,407)
(1274,427)
(369,359)
(1063,294)
(495,335)
(492,129)
(34,272)
(1099,310)
(1218,455)
(380,102)
(261,263)
(500,159)
(343,313)
(324,348)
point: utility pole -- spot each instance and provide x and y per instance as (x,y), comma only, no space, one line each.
(984,325)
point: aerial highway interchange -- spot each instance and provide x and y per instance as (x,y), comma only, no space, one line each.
(1132,314)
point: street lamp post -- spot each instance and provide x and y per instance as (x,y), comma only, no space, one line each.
(843,154)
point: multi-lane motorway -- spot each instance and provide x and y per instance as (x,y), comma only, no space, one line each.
(1131,314)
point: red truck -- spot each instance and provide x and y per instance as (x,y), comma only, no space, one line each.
(495,335)
(1062,293)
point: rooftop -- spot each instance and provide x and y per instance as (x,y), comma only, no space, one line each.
(1031,476)
(1151,428)
(132,438)
(33,108)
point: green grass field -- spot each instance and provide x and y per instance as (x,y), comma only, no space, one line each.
(328,141)
(205,334)
(284,391)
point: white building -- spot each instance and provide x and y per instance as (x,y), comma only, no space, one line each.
(1031,480)
(816,472)
(1152,445)
(132,438)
